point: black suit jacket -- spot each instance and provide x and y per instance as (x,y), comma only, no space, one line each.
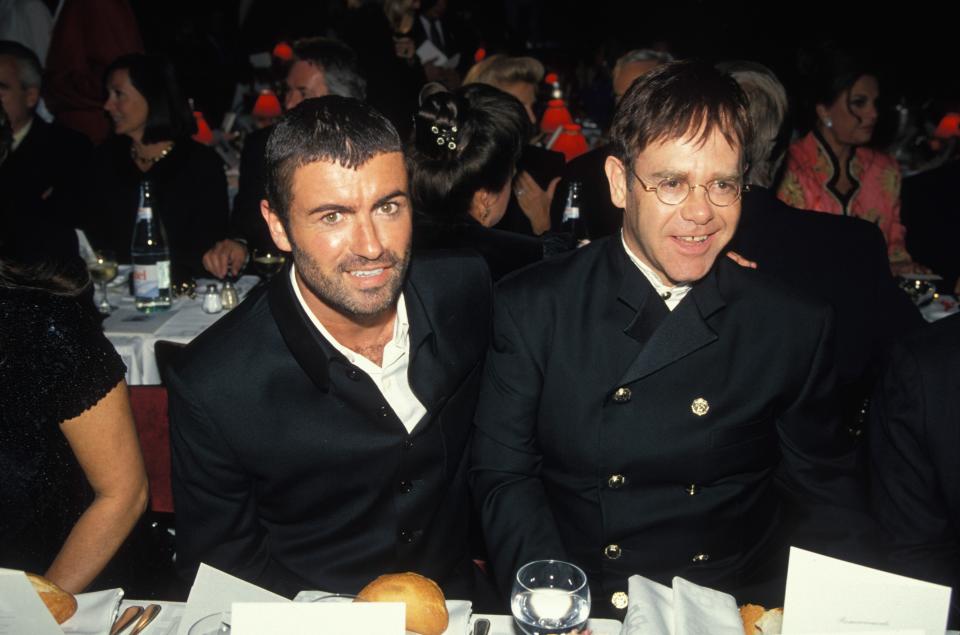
(842,261)
(630,439)
(290,469)
(41,182)
(914,444)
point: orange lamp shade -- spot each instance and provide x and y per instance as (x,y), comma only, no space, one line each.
(551,78)
(479,55)
(949,126)
(555,115)
(571,142)
(267,105)
(204,134)
(283,51)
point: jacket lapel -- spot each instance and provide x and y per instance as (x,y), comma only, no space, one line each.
(306,345)
(684,331)
(425,371)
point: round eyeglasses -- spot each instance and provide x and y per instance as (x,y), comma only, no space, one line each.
(673,191)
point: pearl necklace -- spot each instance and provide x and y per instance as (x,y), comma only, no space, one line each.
(136,156)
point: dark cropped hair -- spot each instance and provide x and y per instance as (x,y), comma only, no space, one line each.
(463,142)
(341,70)
(169,117)
(333,129)
(677,100)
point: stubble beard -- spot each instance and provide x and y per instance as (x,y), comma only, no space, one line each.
(360,305)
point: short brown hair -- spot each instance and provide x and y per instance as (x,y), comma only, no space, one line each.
(502,70)
(678,99)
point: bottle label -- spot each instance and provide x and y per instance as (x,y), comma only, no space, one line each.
(144,213)
(571,213)
(149,280)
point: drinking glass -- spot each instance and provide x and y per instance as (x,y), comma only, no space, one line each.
(550,597)
(215,624)
(268,262)
(103,268)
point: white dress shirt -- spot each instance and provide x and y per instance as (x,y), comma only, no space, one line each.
(391,378)
(671,295)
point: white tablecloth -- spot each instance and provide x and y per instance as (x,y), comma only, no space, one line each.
(133,334)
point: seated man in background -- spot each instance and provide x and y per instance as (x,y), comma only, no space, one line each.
(319,430)
(40,180)
(321,66)
(648,408)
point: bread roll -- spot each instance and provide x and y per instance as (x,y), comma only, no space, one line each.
(61,604)
(757,620)
(426,606)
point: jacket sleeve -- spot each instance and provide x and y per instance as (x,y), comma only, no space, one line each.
(506,459)
(906,482)
(214,497)
(818,468)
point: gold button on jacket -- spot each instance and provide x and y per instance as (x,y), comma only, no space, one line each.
(622,394)
(612,552)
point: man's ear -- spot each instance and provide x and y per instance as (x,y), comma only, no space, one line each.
(617,179)
(277,231)
(32,96)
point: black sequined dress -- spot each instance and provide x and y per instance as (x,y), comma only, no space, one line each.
(55,363)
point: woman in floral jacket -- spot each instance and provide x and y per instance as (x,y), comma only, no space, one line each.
(831,169)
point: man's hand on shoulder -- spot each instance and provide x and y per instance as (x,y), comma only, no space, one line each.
(227,256)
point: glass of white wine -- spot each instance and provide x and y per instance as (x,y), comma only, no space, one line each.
(268,262)
(550,597)
(103,268)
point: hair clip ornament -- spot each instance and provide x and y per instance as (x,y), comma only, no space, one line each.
(445,136)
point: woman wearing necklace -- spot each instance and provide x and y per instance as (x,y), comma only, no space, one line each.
(832,169)
(152,125)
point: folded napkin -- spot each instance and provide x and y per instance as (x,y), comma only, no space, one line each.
(95,612)
(686,609)
(459,612)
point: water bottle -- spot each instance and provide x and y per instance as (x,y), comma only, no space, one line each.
(151,258)
(571,212)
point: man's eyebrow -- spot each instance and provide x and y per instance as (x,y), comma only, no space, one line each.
(329,207)
(389,197)
(669,174)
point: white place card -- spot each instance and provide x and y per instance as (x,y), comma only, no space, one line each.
(319,618)
(214,591)
(825,595)
(21,609)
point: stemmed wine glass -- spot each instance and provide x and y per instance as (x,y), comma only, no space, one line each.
(550,597)
(103,268)
(268,262)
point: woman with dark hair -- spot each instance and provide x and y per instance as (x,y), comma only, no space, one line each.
(462,162)
(832,169)
(73,479)
(152,123)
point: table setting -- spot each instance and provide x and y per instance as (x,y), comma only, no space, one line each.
(823,596)
(193,310)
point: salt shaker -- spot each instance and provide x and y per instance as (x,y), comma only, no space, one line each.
(211,300)
(228,295)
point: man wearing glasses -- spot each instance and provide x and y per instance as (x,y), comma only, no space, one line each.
(649,407)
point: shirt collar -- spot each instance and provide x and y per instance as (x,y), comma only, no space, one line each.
(18,137)
(670,295)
